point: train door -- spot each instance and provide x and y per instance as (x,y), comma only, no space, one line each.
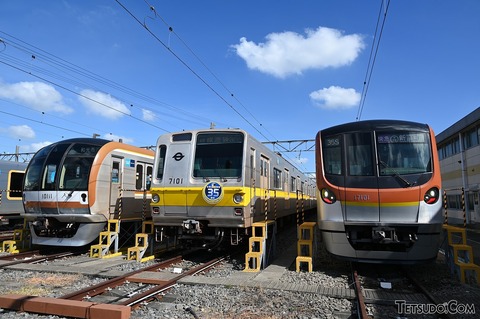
(361,192)
(176,175)
(116,182)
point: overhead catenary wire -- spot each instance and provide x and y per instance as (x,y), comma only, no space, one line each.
(84,96)
(196,74)
(76,76)
(76,72)
(373,55)
(172,31)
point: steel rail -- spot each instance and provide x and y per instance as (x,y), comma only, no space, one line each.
(114,282)
(149,294)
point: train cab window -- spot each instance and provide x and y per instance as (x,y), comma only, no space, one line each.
(15,184)
(35,168)
(162,151)
(403,153)
(76,166)
(332,155)
(51,166)
(218,155)
(139,177)
(359,154)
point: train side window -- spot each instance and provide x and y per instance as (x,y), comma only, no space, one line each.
(277,178)
(162,151)
(116,172)
(149,176)
(293,186)
(139,177)
(15,184)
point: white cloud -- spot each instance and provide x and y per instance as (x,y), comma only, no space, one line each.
(289,53)
(300,160)
(103,104)
(34,147)
(38,95)
(335,97)
(21,132)
(148,115)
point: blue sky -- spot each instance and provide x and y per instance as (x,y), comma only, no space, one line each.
(281,70)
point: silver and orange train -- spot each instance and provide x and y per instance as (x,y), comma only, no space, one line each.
(209,186)
(380,191)
(73,187)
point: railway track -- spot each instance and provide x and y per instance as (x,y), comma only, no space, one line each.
(395,291)
(31,257)
(113,298)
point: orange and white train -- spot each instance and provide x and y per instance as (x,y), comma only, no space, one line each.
(380,192)
(73,187)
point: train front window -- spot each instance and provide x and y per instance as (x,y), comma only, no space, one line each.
(359,154)
(76,167)
(218,155)
(51,166)
(332,155)
(403,153)
(35,168)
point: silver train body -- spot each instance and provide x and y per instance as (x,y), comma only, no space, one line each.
(213,184)
(380,191)
(73,187)
(11,180)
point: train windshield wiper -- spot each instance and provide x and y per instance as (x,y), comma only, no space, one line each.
(396,174)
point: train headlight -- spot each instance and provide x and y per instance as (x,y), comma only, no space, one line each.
(328,196)
(431,196)
(237,198)
(155,198)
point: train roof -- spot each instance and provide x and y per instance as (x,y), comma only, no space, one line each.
(90,140)
(370,125)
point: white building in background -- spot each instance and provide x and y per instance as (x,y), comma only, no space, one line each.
(459,151)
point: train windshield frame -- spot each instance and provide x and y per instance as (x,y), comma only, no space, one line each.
(61,166)
(396,153)
(219,154)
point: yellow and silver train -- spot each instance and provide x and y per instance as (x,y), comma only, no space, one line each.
(215,183)
(74,186)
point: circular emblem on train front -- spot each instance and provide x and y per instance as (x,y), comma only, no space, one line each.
(213,192)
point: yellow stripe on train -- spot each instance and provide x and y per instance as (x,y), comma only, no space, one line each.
(193,196)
